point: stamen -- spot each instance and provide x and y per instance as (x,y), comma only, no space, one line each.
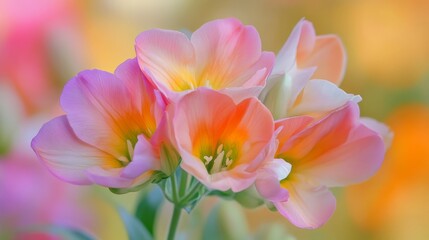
(207,159)
(219,149)
(217,165)
(220,163)
(208,83)
(123,159)
(228,154)
(130,149)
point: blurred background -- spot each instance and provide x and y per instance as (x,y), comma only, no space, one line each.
(44,43)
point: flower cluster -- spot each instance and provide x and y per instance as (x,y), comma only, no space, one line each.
(217,107)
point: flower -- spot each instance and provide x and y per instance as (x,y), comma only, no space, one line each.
(222,142)
(223,55)
(30,197)
(28,37)
(305,56)
(107,132)
(334,151)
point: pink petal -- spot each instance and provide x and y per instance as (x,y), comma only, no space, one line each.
(307,40)
(286,57)
(108,177)
(169,57)
(290,127)
(94,102)
(268,180)
(323,135)
(321,96)
(380,128)
(328,55)
(309,205)
(226,51)
(142,92)
(351,162)
(114,177)
(66,156)
(145,159)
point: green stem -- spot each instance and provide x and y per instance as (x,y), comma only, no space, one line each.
(174,222)
(191,192)
(174,188)
(183,183)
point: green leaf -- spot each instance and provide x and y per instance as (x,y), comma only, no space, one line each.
(127,190)
(223,194)
(249,198)
(147,208)
(135,230)
(193,198)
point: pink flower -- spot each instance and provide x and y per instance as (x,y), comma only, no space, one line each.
(336,150)
(29,31)
(108,133)
(31,197)
(222,143)
(223,55)
(305,56)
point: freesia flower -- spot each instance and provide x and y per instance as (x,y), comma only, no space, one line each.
(305,56)
(336,150)
(223,55)
(222,142)
(108,133)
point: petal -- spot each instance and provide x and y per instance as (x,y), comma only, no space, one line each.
(321,136)
(321,96)
(169,57)
(147,101)
(114,177)
(228,54)
(286,57)
(281,92)
(198,118)
(290,127)
(309,205)
(145,159)
(307,40)
(102,112)
(351,162)
(328,55)
(268,180)
(252,124)
(142,92)
(380,128)
(94,101)
(66,156)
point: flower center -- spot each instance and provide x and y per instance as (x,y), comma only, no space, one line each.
(129,154)
(219,162)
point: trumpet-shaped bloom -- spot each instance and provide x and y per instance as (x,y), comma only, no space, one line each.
(222,143)
(305,56)
(106,135)
(334,151)
(222,54)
